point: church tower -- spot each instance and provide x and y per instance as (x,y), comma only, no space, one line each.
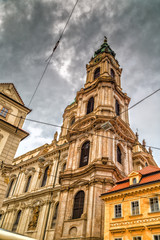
(54,190)
(12,116)
(100,140)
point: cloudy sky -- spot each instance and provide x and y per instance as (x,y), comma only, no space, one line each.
(29,30)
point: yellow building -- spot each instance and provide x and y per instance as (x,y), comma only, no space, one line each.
(12,115)
(132,210)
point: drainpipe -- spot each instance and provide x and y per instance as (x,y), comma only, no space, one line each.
(51,197)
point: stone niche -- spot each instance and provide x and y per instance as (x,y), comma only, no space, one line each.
(74,229)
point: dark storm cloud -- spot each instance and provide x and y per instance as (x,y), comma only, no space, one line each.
(29,30)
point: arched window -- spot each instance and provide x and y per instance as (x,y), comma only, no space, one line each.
(117,108)
(134,180)
(10,188)
(90,105)
(15,225)
(72,121)
(97,73)
(45,177)
(55,216)
(119,155)
(78,205)
(112,73)
(28,183)
(84,154)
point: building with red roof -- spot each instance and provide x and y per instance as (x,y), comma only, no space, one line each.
(132,209)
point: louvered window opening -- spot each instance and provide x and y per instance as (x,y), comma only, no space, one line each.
(78,205)
(90,106)
(28,183)
(117,108)
(72,121)
(45,177)
(119,155)
(112,73)
(84,154)
(64,167)
(15,225)
(97,73)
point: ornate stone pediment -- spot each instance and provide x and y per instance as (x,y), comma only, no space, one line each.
(80,182)
(84,124)
(9,90)
(123,130)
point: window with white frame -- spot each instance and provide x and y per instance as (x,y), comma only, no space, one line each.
(154,204)
(135,208)
(156,237)
(118,211)
(137,238)
(3,112)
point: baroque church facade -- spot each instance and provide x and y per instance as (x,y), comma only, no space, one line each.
(54,191)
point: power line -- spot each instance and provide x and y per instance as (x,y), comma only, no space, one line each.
(50,57)
(141,100)
(99,135)
(55,125)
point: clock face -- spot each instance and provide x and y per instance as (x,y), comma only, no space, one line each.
(98,59)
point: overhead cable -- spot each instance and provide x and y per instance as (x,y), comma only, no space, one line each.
(50,57)
(55,125)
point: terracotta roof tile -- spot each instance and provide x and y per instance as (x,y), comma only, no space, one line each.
(150,178)
(149,174)
(120,186)
(149,169)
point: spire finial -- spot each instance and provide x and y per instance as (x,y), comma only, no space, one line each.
(105,39)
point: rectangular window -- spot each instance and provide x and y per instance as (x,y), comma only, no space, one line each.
(118,211)
(137,238)
(156,237)
(3,112)
(117,238)
(135,208)
(154,204)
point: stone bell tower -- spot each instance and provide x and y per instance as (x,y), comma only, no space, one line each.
(100,140)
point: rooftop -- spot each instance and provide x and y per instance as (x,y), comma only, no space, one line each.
(149,174)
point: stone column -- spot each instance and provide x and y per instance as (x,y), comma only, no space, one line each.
(74,157)
(90,211)
(61,216)
(19,184)
(97,212)
(24,221)
(34,180)
(52,174)
(42,220)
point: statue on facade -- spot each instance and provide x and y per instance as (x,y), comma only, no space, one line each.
(33,223)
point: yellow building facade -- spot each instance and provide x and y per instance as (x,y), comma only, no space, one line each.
(12,115)
(132,209)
